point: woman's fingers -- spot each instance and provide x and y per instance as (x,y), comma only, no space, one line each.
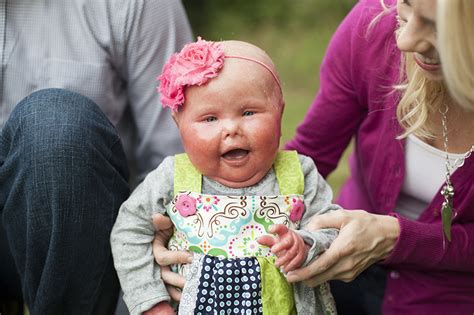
(333,219)
(340,258)
(346,270)
(363,239)
(320,265)
(321,269)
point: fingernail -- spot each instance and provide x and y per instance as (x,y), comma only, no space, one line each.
(190,259)
(289,276)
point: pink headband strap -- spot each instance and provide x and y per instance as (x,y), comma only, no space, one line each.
(260,63)
(195,64)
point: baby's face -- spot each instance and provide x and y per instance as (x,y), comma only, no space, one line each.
(231,126)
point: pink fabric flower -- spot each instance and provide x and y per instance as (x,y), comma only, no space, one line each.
(171,95)
(186,205)
(195,64)
(296,212)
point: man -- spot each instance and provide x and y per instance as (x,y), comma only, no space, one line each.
(63,169)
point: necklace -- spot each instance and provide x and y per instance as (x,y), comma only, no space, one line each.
(447,191)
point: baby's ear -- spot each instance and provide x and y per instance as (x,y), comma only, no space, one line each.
(175,117)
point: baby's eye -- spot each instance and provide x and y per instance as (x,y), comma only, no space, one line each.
(211,118)
(248,113)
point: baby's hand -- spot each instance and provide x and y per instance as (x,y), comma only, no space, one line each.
(288,246)
(162,308)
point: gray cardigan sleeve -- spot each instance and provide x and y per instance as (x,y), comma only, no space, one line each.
(318,200)
(132,237)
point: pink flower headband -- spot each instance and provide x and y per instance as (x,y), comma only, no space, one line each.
(195,64)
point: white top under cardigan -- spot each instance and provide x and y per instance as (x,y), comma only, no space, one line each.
(425,174)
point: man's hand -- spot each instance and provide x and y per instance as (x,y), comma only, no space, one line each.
(363,239)
(165,257)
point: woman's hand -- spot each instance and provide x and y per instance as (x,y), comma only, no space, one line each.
(363,239)
(165,257)
(288,246)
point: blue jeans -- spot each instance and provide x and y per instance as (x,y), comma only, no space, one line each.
(362,296)
(63,177)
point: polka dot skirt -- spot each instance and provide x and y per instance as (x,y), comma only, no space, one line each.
(229,286)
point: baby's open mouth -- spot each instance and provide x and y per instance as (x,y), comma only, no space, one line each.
(235,154)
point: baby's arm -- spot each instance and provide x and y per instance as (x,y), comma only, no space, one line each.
(131,240)
(318,200)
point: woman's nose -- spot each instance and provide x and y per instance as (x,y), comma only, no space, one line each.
(413,37)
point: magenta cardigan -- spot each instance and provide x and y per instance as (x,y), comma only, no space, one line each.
(356,97)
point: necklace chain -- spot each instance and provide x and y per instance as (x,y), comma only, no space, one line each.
(459,162)
(447,208)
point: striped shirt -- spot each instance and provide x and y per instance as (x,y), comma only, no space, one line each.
(108,50)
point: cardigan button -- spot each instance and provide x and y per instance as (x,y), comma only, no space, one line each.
(394,275)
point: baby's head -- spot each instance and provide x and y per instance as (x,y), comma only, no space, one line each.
(227,102)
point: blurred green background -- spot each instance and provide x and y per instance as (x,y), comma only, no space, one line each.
(295,33)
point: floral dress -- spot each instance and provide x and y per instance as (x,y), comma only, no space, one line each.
(231,272)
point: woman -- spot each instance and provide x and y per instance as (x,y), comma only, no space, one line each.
(398,166)
(399,75)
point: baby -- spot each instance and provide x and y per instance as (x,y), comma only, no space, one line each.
(231,188)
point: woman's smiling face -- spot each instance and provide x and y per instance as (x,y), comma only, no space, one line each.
(231,126)
(417,34)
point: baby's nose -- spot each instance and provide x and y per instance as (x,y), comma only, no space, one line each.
(230,127)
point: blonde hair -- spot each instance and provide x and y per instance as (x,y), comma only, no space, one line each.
(455,18)
(422,97)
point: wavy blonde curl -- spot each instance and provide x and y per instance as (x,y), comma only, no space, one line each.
(422,97)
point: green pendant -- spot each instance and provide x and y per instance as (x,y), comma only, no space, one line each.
(447,210)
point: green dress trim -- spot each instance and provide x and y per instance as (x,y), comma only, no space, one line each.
(277,293)
(287,169)
(186,176)
(289,173)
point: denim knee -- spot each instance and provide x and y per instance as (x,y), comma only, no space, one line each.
(57,121)
(59,140)
(56,124)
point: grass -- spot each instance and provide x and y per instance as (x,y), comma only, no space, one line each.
(295,33)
